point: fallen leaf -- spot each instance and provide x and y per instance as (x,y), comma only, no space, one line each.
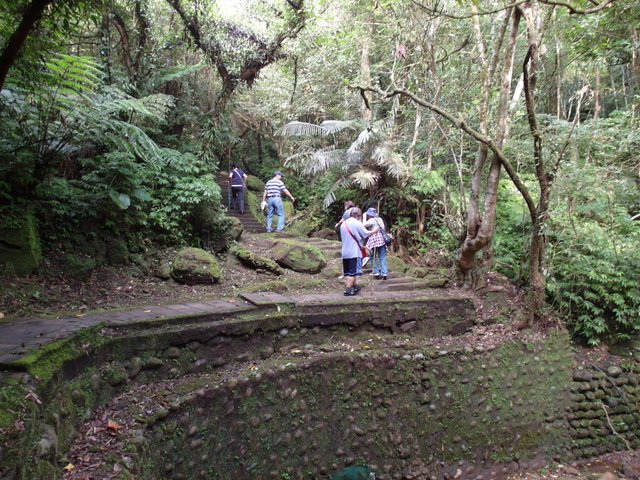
(69,467)
(111,425)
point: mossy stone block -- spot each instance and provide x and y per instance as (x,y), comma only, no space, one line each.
(298,257)
(195,266)
(20,248)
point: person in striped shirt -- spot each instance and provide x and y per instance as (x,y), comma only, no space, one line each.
(273,191)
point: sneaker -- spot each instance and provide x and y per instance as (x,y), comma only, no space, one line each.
(384,277)
(357,288)
(350,292)
(376,276)
(365,260)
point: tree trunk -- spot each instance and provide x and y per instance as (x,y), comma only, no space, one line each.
(32,15)
(365,70)
(481,226)
(596,97)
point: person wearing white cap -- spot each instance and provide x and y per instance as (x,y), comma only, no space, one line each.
(376,244)
(272,195)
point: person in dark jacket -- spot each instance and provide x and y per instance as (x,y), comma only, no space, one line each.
(237,181)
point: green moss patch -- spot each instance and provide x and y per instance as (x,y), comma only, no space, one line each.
(256,262)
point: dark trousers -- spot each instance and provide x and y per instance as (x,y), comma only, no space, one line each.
(237,199)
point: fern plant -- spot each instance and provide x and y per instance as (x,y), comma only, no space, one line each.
(594,254)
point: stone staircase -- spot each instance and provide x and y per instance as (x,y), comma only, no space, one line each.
(396,281)
(249,222)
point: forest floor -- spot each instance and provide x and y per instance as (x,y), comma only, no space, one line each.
(52,293)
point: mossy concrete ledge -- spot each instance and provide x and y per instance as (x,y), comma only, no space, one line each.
(232,393)
(307,411)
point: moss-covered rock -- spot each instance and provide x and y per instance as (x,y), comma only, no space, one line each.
(256,262)
(298,257)
(255,184)
(395,264)
(194,266)
(434,278)
(235,228)
(223,233)
(326,233)
(117,252)
(20,249)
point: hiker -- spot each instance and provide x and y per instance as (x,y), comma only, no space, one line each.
(348,205)
(237,180)
(272,195)
(376,244)
(353,233)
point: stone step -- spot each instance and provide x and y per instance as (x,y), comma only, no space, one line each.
(402,286)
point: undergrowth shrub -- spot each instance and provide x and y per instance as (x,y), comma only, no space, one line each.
(593,254)
(594,283)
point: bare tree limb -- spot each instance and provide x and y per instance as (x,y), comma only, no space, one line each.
(573,10)
(462,125)
(579,11)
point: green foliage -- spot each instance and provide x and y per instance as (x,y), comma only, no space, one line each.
(180,188)
(426,183)
(512,237)
(594,254)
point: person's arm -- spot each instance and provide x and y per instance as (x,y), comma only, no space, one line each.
(264,196)
(367,233)
(288,194)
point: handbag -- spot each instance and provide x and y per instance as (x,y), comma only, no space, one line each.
(388,239)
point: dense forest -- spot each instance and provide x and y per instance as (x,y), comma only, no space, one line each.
(496,136)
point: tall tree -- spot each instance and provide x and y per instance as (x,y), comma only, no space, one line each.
(30,15)
(237,68)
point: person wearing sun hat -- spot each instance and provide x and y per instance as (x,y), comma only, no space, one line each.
(375,243)
(272,196)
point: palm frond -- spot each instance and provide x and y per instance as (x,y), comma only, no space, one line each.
(365,136)
(172,73)
(365,178)
(324,159)
(159,104)
(330,197)
(335,126)
(293,129)
(396,166)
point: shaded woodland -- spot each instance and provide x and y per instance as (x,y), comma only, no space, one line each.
(492,136)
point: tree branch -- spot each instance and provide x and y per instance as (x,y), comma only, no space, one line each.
(575,10)
(462,125)
(31,16)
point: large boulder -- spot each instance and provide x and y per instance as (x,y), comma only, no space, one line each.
(256,262)
(298,257)
(194,266)
(20,249)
